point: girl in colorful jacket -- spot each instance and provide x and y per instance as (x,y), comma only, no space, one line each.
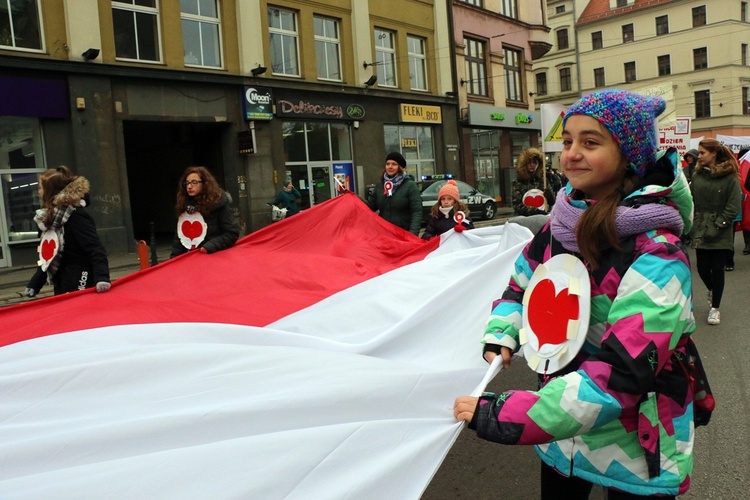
(620,414)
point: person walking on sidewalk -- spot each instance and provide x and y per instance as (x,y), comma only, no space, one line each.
(717,196)
(287,198)
(71,255)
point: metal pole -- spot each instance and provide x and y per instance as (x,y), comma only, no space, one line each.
(154,259)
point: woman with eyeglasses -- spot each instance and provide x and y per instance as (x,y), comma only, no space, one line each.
(205,221)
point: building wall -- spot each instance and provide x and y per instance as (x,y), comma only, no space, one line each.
(723,35)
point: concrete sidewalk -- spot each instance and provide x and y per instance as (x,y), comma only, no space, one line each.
(13,280)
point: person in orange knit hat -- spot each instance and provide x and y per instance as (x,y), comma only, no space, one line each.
(448,213)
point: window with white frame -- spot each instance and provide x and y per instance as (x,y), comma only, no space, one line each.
(699,16)
(476,67)
(327,48)
(541,83)
(630,72)
(282,28)
(21,161)
(417,62)
(599,80)
(509,8)
(201,32)
(20,24)
(596,40)
(664,63)
(565,80)
(702,104)
(385,57)
(700,58)
(513,81)
(136,29)
(477,3)
(662,25)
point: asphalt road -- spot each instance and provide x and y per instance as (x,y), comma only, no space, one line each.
(477,469)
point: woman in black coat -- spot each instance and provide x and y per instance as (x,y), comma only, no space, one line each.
(71,255)
(205,219)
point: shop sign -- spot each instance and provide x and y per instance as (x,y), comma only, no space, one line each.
(676,136)
(408,143)
(484,115)
(257,103)
(343,175)
(319,108)
(421,114)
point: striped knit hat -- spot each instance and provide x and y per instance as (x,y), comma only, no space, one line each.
(630,118)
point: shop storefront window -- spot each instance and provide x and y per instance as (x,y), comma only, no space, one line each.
(485,145)
(416,144)
(310,151)
(21,162)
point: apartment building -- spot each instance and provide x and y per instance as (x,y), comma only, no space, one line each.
(696,48)
(130,92)
(496,42)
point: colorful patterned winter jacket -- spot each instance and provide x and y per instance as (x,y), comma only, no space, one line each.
(621,414)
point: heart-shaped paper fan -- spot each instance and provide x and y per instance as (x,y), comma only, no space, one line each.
(535,198)
(191,229)
(48,248)
(557,305)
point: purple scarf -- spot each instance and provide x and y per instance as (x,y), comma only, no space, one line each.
(629,220)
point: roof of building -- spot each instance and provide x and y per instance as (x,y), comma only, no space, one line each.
(597,10)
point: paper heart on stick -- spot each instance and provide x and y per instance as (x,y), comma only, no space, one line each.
(556,313)
(49,248)
(534,198)
(550,312)
(191,229)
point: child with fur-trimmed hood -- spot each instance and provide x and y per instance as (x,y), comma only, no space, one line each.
(530,174)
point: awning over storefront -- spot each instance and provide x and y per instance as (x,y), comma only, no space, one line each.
(34,97)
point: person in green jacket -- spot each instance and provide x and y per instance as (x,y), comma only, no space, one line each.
(396,197)
(717,196)
(287,198)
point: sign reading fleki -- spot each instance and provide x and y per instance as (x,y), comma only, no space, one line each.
(421,114)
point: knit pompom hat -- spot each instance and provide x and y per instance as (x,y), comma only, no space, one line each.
(630,118)
(450,189)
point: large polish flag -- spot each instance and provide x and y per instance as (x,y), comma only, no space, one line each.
(317,358)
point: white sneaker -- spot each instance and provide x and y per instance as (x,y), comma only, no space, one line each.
(714,317)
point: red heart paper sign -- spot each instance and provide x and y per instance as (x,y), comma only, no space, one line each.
(48,249)
(549,313)
(192,230)
(534,201)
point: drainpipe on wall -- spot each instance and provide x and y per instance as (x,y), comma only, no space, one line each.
(454,87)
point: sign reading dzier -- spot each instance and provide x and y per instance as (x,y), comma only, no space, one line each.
(421,114)
(257,103)
(318,108)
